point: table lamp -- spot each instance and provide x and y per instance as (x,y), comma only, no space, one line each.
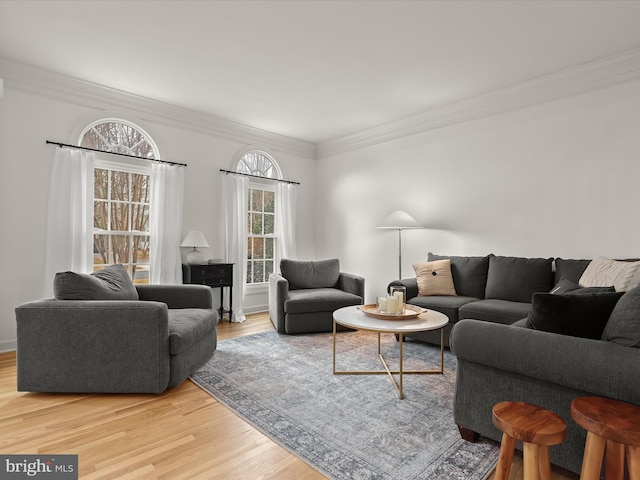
(195,239)
(399,220)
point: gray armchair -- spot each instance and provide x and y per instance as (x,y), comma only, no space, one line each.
(136,345)
(304,296)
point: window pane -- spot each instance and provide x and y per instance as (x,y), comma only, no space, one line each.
(268,269)
(258,272)
(119,185)
(119,217)
(140,217)
(258,248)
(141,250)
(268,224)
(256,200)
(250,247)
(100,249)
(256,223)
(269,201)
(120,249)
(249,270)
(268,247)
(140,274)
(100,216)
(100,184)
(140,188)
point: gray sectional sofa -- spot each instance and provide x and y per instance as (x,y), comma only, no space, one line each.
(102,334)
(534,335)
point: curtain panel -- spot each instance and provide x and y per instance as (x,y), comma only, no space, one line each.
(286,199)
(165,223)
(69,240)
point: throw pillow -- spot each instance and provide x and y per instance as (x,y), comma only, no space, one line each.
(110,283)
(434,278)
(623,326)
(566,286)
(517,278)
(469,274)
(576,315)
(310,274)
(605,271)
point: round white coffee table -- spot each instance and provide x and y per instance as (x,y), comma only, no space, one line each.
(352,317)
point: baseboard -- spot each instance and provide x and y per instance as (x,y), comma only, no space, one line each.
(9,346)
(256,309)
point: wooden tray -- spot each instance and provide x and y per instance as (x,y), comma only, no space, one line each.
(410,311)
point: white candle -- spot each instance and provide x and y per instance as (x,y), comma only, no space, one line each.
(382,304)
(392,304)
(398,295)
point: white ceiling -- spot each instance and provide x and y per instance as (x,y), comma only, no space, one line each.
(314,70)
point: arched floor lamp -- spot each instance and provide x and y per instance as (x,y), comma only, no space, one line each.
(399,220)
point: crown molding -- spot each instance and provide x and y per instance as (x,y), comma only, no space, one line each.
(604,72)
(30,79)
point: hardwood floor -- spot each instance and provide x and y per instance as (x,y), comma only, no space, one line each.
(182,434)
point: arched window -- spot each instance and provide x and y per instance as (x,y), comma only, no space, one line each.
(262,251)
(121,196)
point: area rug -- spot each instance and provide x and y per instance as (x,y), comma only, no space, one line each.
(348,426)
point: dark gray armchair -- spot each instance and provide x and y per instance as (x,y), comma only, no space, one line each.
(304,296)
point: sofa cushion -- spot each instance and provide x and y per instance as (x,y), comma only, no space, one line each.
(494,310)
(310,274)
(566,286)
(434,278)
(569,269)
(623,326)
(187,326)
(110,283)
(319,300)
(469,274)
(448,305)
(603,271)
(581,315)
(517,278)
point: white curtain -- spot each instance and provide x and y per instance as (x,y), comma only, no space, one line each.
(286,219)
(165,223)
(69,241)
(235,194)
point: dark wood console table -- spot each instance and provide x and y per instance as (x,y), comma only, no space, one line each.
(215,275)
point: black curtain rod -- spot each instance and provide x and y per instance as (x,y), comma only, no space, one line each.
(258,176)
(114,153)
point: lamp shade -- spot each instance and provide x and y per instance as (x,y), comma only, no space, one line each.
(195,239)
(399,220)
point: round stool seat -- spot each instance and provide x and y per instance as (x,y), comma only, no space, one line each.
(612,427)
(529,423)
(537,428)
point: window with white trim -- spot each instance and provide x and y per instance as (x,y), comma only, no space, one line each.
(262,241)
(121,196)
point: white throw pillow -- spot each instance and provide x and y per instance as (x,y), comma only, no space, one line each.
(604,272)
(434,278)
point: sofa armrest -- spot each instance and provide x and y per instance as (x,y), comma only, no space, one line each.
(596,366)
(278,294)
(411,284)
(92,346)
(177,296)
(350,283)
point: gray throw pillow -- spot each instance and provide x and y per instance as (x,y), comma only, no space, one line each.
(469,274)
(110,283)
(517,278)
(582,315)
(570,269)
(309,274)
(623,326)
(566,286)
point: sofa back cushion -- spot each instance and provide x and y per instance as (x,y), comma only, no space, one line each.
(516,278)
(623,326)
(469,274)
(110,283)
(310,274)
(579,315)
(569,269)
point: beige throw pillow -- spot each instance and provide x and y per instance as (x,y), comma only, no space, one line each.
(434,278)
(604,272)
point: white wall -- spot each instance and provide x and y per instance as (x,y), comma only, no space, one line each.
(557,179)
(28,119)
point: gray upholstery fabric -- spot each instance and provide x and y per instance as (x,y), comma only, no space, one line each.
(110,283)
(517,278)
(113,346)
(310,274)
(494,310)
(498,362)
(570,269)
(278,292)
(623,326)
(313,322)
(313,300)
(177,296)
(448,305)
(411,284)
(567,286)
(469,274)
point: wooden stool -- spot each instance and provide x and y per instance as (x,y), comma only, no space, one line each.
(610,422)
(537,428)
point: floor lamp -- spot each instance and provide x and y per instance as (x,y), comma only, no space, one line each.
(399,220)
